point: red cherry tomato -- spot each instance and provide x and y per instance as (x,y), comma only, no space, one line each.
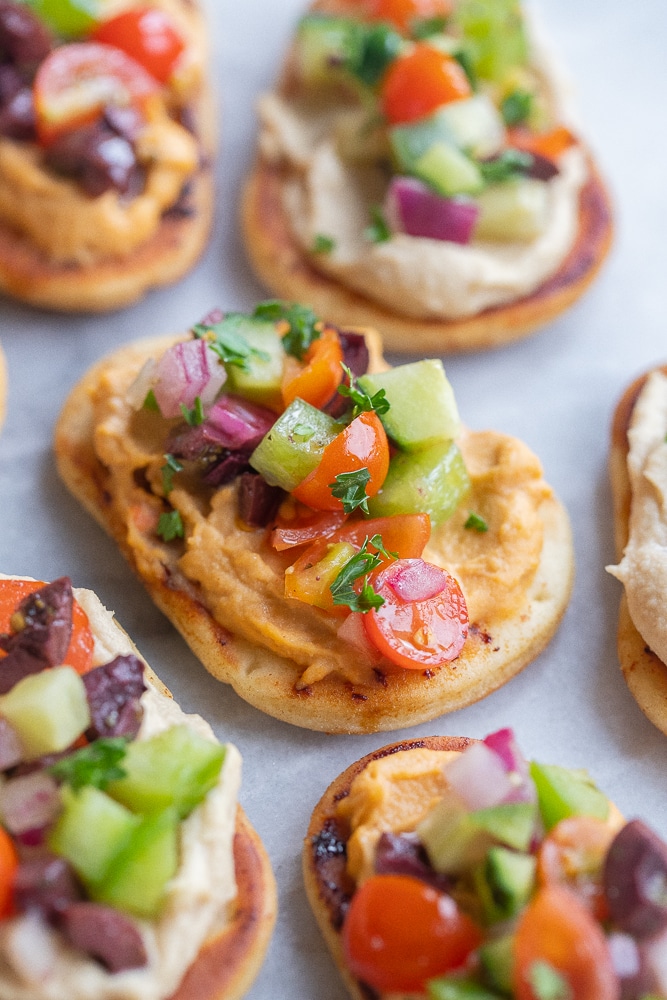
(363,444)
(148,35)
(9,862)
(317,380)
(76,82)
(80,651)
(403,13)
(419,82)
(557,930)
(400,932)
(417,634)
(572,854)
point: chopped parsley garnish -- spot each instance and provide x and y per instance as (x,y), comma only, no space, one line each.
(227,341)
(465,61)
(547,983)
(303,326)
(516,107)
(378,230)
(150,402)
(360,565)
(362,402)
(323,244)
(171,466)
(476,522)
(376,46)
(427,27)
(170,526)
(97,764)
(195,416)
(350,489)
(509,163)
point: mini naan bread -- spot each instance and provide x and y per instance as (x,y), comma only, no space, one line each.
(261,669)
(644,672)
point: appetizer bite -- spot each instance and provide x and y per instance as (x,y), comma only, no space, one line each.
(326,535)
(638,468)
(128,869)
(418,172)
(453,869)
(106,142)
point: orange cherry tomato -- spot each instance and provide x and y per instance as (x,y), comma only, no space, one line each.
(148,35)
(557,930)
(362,445)
(80,651)
(405,535)
(549,144)
(318,379)
(400,932)
(572,854)
(419,82)
(9,862)
(403,13)
(76,82)
(417,634)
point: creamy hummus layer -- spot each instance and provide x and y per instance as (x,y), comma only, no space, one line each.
(37,964)
(240,578)
(413,276)
(643,568)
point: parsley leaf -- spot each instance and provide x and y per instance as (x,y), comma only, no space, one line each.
(516,107)
(171,466)
(350,488)
(227,341)
(303,326)
(170,526)
(363,403)
(426,27)
(97,764)
(378,230)
(150,402)
(547,983)
(360,565)
(323,243)
(195,416)
(507,164)
(476,522)
(376,46)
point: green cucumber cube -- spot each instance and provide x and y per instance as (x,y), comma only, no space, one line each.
(563,792)
(48,710)
(293,447)
(136,878)
(504,883)
(511,823)
(422,409)
(497,961)
(175,768)
(323,45)
(453,841)
(433,481)
(260,378)
(495,36)
(472,125)
(449,171)
(515,210)
(90,831)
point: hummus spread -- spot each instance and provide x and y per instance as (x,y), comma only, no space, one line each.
(412,276)
(36,963)
(240,578)
(643,568)
(68,225)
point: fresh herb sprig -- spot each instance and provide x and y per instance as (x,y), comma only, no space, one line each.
(170,526)
(303,326)
(227,341)
(168,470)
(193,416)
(360,565)
(350,489)
(361,400)
(96,764)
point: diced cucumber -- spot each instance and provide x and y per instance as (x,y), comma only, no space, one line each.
(448,170)
(495,34)
(497,960)
(455,988)
(323,45)
(513,210)
(422,406)
(48,710)
(510,823)
(293,447)
(504,883)
(175,768)
(474,125)
(564,792)
(453,842)
(433,481)
(90,831)
(136,877)
(69,18)
(260,379)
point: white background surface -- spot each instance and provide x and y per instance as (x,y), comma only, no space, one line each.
(555,390)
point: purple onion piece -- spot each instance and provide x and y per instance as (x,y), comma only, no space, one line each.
(105,934)
(415,209)
(241,424)
(257,501)
(355,351)
(403,854)
(29,802)
(11,752)
(114,691)
(187,370)
(635,880)
(47,884)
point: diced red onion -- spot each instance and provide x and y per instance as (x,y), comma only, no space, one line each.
(503,742)
(242,424)
(417,580)
(414,208)
(11,752)
(352,630)
(29,802)
(479,777)
(142,384)
(29,948)
(187,370)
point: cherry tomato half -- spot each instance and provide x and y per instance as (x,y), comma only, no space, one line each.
(572,854)
(417,634)
(148,35)
(557,930)
(362,445)
(76,82)
(400,932)
(419,82)
(403,13)
(549,144)
(317,380)
(9,862)
(80,651)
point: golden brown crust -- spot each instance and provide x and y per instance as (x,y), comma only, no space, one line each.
(328,887)
(281,265)
(644,673)
(394,698)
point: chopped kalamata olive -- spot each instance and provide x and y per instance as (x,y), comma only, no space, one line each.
(355,357)
(17,116)
(114,691)
(98,158)
(403,854)
(542,169)
(42,626)
(105,934)
(227,469)
(124,120)
(257,501)
(46,884)
(24,39)
(635,880)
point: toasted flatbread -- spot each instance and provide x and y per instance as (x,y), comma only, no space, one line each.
(644,672)
(231,957)
(27,273)
(263,674)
